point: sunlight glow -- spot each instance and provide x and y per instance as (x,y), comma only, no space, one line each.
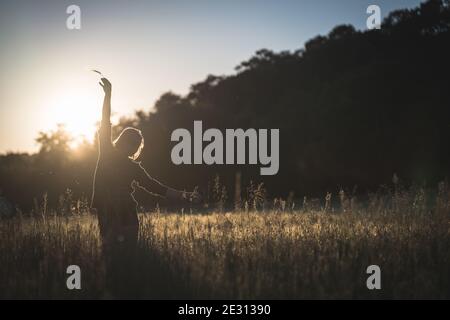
(77,111)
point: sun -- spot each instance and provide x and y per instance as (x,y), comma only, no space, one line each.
(78,111)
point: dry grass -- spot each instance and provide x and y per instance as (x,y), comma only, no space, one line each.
(275,254)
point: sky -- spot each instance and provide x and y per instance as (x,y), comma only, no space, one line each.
(145,48)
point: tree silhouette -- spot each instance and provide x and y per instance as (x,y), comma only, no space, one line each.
(57,141)
(353,107)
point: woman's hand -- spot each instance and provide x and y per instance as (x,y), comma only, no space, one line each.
(176,195)
(106,85)
(194,196)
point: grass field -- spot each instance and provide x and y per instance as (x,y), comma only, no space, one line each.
(320,250)
(306,253)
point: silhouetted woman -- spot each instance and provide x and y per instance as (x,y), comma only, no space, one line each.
(112,188)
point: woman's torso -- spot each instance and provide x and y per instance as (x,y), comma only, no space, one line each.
(112,186)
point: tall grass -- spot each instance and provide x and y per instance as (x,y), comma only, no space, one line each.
(319,250)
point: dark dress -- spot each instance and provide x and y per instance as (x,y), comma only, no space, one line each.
(112,190)
(117,213)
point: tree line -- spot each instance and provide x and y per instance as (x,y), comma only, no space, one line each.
(353,107)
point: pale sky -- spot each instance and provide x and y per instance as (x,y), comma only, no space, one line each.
(145,47)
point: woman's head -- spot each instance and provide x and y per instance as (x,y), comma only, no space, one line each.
(130,142)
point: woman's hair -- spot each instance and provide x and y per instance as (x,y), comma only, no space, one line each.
(130,139)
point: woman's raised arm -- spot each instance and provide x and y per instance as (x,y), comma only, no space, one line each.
(105,128)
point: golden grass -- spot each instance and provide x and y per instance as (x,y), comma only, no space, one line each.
(236,255)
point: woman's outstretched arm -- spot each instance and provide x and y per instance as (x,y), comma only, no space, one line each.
(105,128)
(153,186)
(146,182)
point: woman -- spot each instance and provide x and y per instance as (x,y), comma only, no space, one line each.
(115,172)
